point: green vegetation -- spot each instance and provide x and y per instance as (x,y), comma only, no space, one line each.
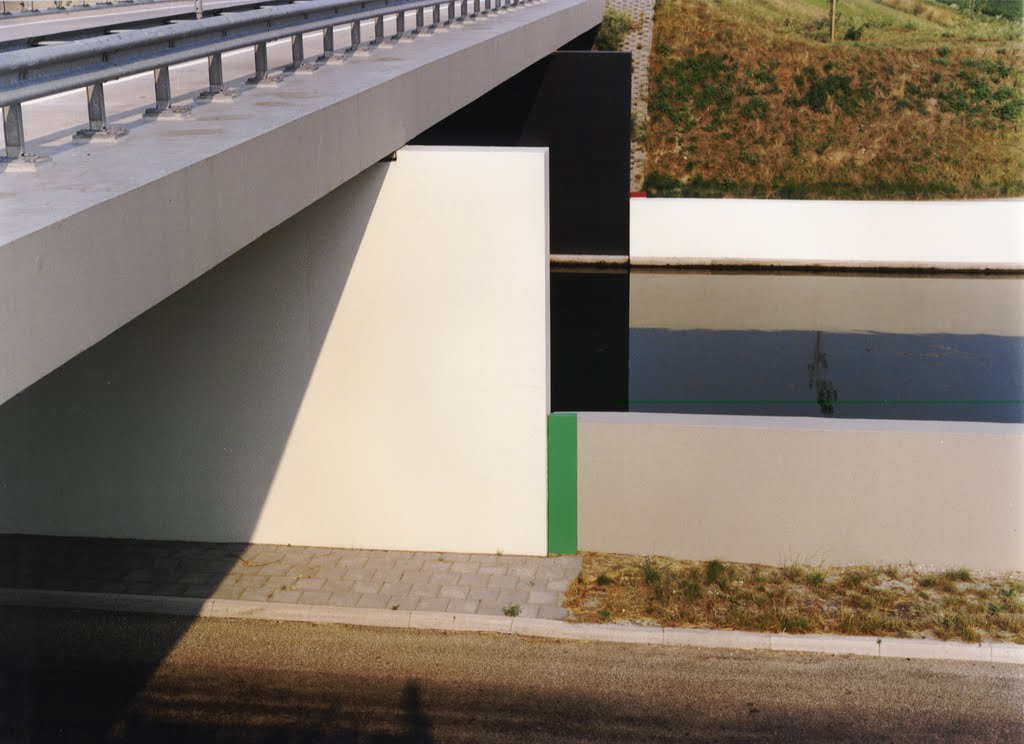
(614,27)
(918,100)
(511,611)
(860,600)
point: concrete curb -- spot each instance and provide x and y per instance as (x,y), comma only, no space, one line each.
(907,648)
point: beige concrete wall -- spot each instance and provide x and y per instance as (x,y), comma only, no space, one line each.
(947,235)
(773,490)
(372,373)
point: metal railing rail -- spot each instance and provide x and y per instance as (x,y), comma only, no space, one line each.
(28,74)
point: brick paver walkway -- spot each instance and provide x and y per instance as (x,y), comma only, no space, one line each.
(440,582)
(638,41)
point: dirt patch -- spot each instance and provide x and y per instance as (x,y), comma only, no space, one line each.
(897,600)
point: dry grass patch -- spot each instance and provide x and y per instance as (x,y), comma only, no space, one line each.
(856,600)
(748,99)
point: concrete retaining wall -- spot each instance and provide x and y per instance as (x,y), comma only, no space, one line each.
(914,235)
(773,490)
(372,373)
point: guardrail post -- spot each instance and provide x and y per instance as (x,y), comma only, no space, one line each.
(435,16)
(98,129)
(476,8)
(328,35)
(450,13)
(215,72)
(97,107)
(260,66)
(419,20)
(14,131)
(399,26)
(162,88)
(487,7)
(378,30)
(298,56)
(464,10)
(356,39)
(215,66)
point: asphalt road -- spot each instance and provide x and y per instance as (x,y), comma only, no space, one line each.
(28,26)
(83,676)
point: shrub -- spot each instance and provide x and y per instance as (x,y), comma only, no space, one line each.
(614,27)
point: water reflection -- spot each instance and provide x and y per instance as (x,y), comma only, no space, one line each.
(906,347)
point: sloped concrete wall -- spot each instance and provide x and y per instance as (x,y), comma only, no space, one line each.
(372,373)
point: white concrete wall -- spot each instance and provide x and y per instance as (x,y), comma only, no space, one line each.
(372,373)
(779,490)
(947,235)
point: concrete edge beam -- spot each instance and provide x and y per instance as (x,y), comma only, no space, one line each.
(907,648)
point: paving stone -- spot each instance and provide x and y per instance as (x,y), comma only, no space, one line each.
(338,585)
(463,568)
(199,591)
(403,602)
(360,574)
(432,604)
(475,580)
(528,610)
(424,590)
(512,596)
(444,579)
(495,570)
(486,593)
(558,585)
(454,592)
(408,564)
(502,582)
(547,612)
(309,584)
(367,587)
(392,574)
(379,564)
(252,582)
(256,595)
(344,599)
(522,572)
(290,596)
(468,606)
(483,558)
(543,598)
(395,589)
(226,592)
(490,608)
(314,597)
(416,577)
(376,601)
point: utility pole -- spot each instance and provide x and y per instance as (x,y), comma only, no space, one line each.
(832,20)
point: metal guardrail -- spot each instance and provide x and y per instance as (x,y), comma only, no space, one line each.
(28,74)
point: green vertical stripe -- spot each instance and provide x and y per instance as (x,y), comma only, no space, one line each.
(562,483)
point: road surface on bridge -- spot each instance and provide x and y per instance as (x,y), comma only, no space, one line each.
(155,679)
(32,25)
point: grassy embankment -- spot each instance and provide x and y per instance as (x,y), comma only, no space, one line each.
(915,100)
(859,600)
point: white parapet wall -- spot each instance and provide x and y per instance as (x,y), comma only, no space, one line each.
(779,490)
(969,235)
(371,373)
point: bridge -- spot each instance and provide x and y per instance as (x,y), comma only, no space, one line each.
(237,306)
(217,177)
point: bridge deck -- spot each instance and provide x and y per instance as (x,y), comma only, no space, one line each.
(106,230)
